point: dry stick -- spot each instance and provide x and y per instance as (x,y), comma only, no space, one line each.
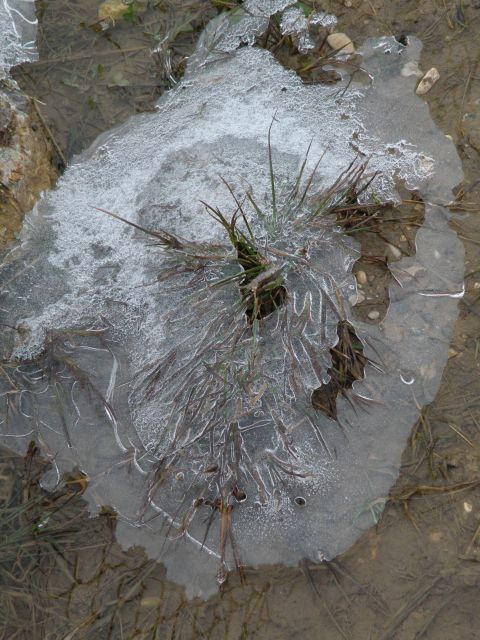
(336,624)
(306,571)
(442,605)
(468,550)
(458,432)
(49,132)
(83,56)
(408,608)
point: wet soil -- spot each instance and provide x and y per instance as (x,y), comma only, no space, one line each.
(416,574)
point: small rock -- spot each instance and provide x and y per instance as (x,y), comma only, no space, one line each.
(467,507)
(361,277)
(476,286)
(357,298)
(436,536)
(341,43)
(374,315)
(112,10)
(394,251)
(427,82)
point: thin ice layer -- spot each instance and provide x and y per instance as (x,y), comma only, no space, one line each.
(241,26)
(295,23)
(84,269)
(18,27)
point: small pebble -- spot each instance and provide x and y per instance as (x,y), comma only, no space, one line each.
(427,82)
(374,315)
(357,298)
(341,43)
(436,536)
(394,251)
(467,507)
(112,10)
(476,285)
(361,277)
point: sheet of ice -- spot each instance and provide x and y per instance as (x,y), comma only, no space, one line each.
(18,27)
(295,22)
(79,268)
(239,27)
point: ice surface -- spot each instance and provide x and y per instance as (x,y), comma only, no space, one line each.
(241,26)
(146,364)
(295,22)
(18,27)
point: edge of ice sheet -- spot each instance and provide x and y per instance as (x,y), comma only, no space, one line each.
(18,27)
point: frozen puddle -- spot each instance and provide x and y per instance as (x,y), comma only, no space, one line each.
(135,365)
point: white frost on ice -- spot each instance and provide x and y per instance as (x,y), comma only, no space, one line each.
(78,267)
(295,22)
(18,26)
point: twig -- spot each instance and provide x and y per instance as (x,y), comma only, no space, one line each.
(49,132)
(408,608)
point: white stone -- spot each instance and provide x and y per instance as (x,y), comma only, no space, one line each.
(357,298)
(427,82)
(361,277)
(341,43)
(394,251)
(374,315)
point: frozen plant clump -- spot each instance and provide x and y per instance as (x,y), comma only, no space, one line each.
(18,26)
(173,357)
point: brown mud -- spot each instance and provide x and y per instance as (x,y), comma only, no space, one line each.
(416,575)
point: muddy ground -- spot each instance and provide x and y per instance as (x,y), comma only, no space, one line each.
(417,573)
